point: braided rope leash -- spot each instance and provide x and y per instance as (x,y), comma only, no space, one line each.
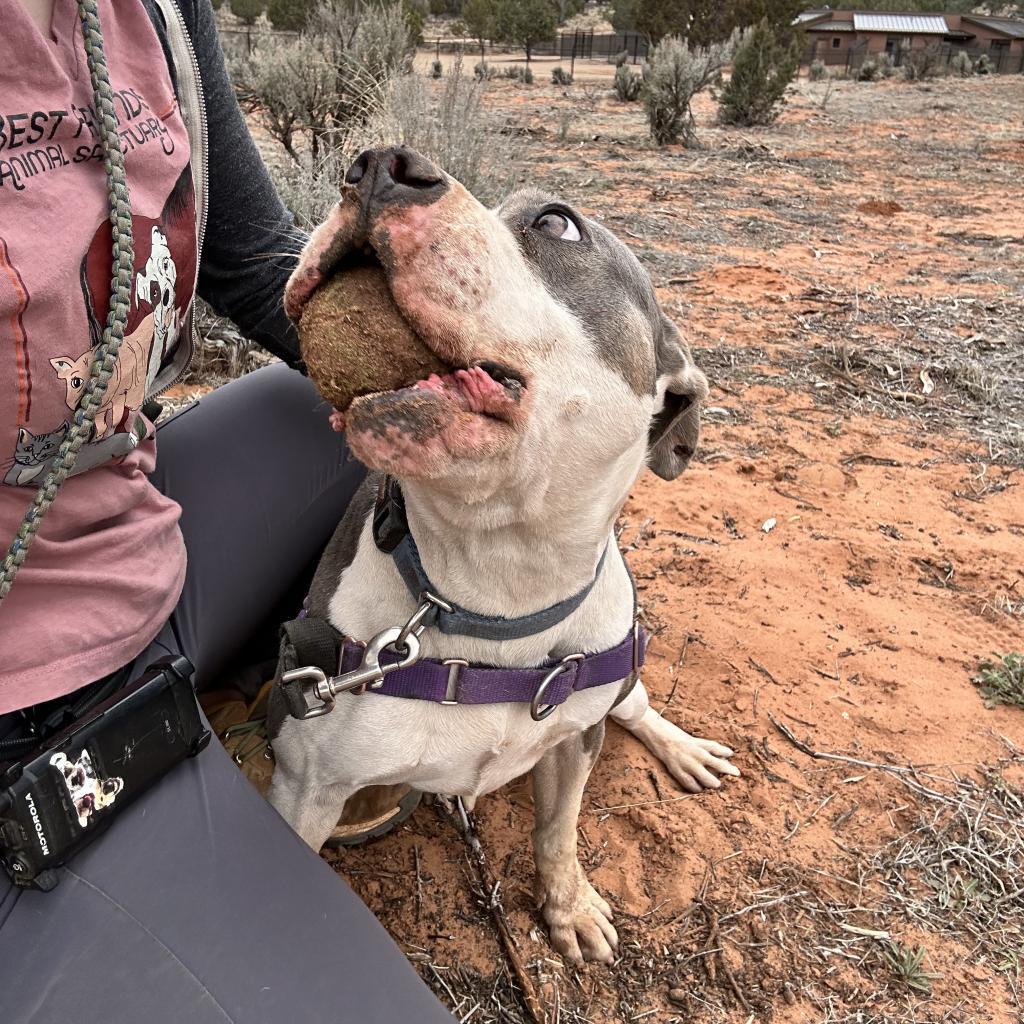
(120,297)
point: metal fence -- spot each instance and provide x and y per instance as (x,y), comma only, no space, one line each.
(1001,61)
(568,46)
(608,46)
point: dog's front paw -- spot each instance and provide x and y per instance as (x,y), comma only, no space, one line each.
(696,763)
(578,919)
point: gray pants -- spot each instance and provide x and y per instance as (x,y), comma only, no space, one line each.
(200,904)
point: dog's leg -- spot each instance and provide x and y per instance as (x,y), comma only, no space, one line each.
(694,763)
(580,921)
(313,812)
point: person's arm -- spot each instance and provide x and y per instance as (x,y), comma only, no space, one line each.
(242,274)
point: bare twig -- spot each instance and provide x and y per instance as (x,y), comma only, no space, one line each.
(491,887)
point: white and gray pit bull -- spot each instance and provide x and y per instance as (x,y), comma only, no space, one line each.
(567,382)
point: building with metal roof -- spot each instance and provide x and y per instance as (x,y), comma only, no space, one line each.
(850,37)
(900,24)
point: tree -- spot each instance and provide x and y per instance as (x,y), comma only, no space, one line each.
(623,17)
(289,15)
(765,63)
(414,19)
(525,23)
(248,12)
(479,17)
(702,22)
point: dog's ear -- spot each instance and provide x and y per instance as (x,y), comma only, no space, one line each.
(674,430)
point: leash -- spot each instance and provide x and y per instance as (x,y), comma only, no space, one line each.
(105,356)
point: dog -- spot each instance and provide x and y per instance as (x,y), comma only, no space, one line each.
(156,284)
(88,792)
(568,382)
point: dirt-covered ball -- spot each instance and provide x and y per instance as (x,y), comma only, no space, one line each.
(355,341)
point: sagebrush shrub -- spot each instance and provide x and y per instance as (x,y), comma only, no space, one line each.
(960,64)
(765,64)
(313,88)
(292,89)
(628,84)
(436,69)
(817,72)
(454,130)
(984,65)
(559,76)
(921,62)
(483,72)
(674,74)
(868,70)
(519,74)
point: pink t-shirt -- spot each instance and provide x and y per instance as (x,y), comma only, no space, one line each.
(109,563)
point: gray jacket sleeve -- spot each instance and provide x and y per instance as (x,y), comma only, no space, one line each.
(240,275)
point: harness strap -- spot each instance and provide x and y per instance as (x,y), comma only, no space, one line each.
(305,641)
(311,642)
(454,681)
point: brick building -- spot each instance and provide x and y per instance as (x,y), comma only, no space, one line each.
(848,37)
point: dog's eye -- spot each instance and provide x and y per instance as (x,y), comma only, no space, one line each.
(558,225)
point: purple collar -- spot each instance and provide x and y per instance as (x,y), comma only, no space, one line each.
(457,682)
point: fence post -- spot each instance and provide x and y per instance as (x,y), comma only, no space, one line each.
(572,65)
(636,42)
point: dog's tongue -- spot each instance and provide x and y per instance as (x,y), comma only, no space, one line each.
(355,341)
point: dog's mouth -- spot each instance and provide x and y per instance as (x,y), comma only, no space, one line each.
(421,370)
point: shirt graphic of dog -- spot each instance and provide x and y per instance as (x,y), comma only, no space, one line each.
(89,793)
(155,285)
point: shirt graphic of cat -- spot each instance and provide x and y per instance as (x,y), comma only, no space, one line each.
(32,453)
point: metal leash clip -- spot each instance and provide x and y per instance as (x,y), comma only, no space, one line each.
(404,641)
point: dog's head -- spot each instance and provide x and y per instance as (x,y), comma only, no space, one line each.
(563,367)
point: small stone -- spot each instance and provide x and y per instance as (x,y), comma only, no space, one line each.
(679,996)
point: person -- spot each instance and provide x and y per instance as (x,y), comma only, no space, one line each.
(198,903)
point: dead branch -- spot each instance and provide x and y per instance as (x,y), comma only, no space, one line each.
(491,886)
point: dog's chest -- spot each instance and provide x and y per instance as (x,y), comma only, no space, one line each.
(465,750)
(456,751)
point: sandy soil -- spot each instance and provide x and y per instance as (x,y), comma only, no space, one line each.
(851,279)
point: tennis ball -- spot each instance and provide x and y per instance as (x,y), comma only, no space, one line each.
(355,341)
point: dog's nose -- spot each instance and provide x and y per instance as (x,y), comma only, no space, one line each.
(395,174)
